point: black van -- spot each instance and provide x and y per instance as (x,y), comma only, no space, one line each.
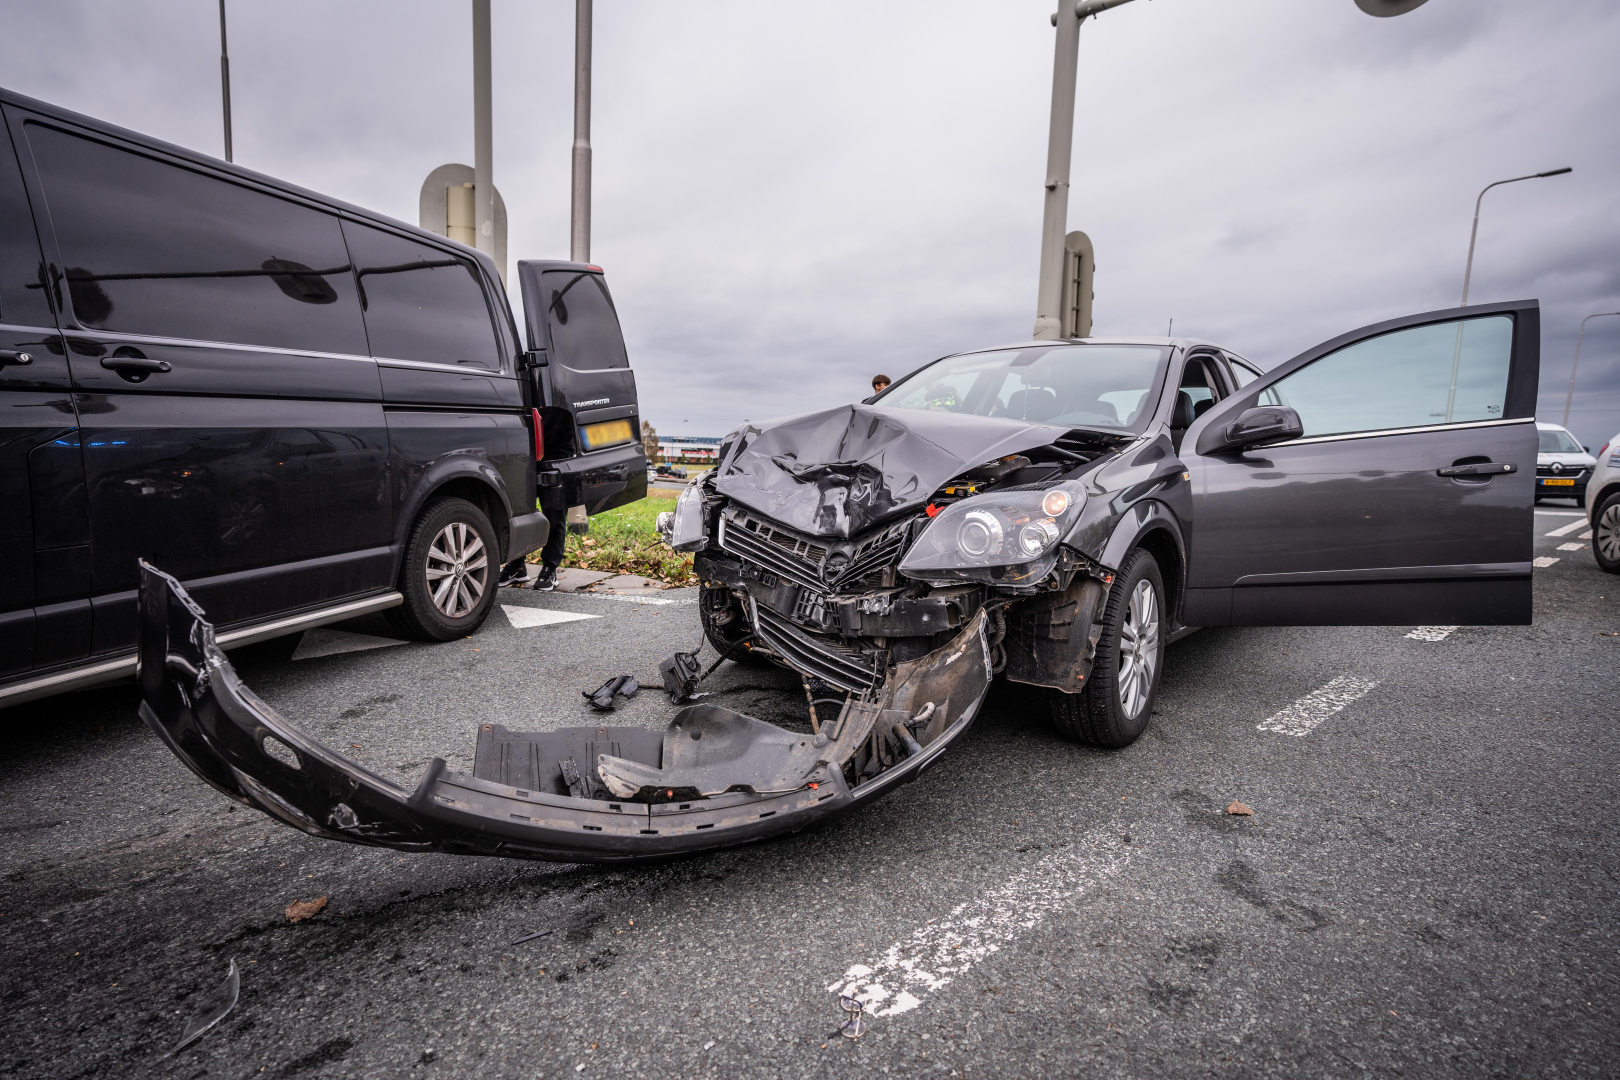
(303,410)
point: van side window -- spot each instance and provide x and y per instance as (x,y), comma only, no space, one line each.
(153,248)
(22,273)
(584,326)
(421,302)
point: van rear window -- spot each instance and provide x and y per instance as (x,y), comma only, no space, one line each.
(421,302)
(584,327)
(149,247)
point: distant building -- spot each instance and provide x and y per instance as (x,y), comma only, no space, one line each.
(691,449)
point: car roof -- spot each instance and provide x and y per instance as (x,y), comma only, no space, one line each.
(45,108)
(1177,342)
(1540,426)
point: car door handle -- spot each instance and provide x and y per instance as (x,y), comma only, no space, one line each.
(1484,468)
(12,356)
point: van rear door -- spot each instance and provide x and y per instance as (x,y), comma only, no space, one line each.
(583,387)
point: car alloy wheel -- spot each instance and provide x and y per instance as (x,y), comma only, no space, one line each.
(457,570)
(1138,649)
(1606,538)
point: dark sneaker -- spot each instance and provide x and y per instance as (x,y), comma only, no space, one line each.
(515,573)
(547,579)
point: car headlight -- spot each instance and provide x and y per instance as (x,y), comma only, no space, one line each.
(1005,538)
(683,530)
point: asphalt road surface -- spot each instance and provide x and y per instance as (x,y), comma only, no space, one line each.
(1427,886)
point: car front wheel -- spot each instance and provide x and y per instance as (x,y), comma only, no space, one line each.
(448,580)
(1113,709)
(1606,534)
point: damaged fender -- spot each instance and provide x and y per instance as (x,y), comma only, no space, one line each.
(714,778)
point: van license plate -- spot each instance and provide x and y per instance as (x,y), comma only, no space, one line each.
(1559,481)
(606,434)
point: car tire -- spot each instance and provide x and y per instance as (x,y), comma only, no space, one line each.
(723,636)
(452,561)
(1113,709)
(1606,534)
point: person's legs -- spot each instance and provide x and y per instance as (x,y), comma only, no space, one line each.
(551,555)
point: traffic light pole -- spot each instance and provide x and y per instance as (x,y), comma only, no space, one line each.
(1059,149)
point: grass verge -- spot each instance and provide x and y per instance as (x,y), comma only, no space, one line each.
(625,541)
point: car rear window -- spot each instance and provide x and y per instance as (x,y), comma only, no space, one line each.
(150,247)
(582,322)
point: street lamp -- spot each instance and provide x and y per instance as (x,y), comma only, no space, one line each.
(1569,397)
(1468,271)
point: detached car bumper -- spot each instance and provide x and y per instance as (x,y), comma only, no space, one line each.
(712,779)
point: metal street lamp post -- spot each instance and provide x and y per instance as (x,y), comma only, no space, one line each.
(483,133)
(1059,149)
(225,79)
(579,232)
(1570,397)
(1468,271)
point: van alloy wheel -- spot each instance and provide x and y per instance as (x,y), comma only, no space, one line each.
(457,569)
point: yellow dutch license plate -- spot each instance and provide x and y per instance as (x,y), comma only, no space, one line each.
(606,434)
(1559,481)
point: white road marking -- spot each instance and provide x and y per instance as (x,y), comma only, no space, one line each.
(1565,529)
(634,599)
(938,952)
(1562,513)
(1543,561)
(524,617)
(322,642)
(1587,535)
(1431,633)
(1572,547)
(1302,717)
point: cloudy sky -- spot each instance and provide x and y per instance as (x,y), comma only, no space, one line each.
(791,197)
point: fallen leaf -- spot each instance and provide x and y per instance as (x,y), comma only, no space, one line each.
(1239,809)
(299,910)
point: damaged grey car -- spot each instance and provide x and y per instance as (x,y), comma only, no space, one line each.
(1053,514)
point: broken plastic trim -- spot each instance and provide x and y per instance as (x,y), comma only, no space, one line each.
(194,701)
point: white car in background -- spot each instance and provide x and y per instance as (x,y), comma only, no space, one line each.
(1603,506)
(1563,465)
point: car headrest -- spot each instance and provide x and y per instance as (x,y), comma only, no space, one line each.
(1183,415)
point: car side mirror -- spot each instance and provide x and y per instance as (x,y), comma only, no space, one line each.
(1267,423)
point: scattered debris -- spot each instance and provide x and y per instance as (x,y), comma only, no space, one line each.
(709,1045)
(299,910)
(855,1026)
(681,674)
(213,1009)
(531,937)
(601,698)
(1239,809)
(1601,633)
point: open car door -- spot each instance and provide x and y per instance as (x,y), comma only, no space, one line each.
(1385,477)
(583,388)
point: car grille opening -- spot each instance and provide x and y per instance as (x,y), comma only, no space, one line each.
(827,658)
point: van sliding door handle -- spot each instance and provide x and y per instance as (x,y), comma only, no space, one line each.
(131,365)
(1484,468)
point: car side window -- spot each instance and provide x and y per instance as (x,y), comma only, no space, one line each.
(421,302)
(1201,385)
(23,301)
(1242,373)
(1443,373)
(150,247)
(584,326)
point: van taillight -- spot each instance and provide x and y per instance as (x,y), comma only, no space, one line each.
(1604,449)
(539,436)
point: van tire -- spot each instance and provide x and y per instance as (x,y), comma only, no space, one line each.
(1097,715)
(444,529)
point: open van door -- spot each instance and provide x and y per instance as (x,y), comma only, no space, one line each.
(582,387)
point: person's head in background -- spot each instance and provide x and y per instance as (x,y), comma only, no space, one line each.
(880,383)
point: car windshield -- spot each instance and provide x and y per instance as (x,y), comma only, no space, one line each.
(1098,386)
(1558,441)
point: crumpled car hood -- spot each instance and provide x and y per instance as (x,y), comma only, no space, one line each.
(840,471)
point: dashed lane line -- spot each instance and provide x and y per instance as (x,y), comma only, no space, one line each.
(1564,530)
(1572,547)
(943,949)
(324,642)
(1302,717)
(1543,561)
(523,618)
(1431,633)
(1587,535)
